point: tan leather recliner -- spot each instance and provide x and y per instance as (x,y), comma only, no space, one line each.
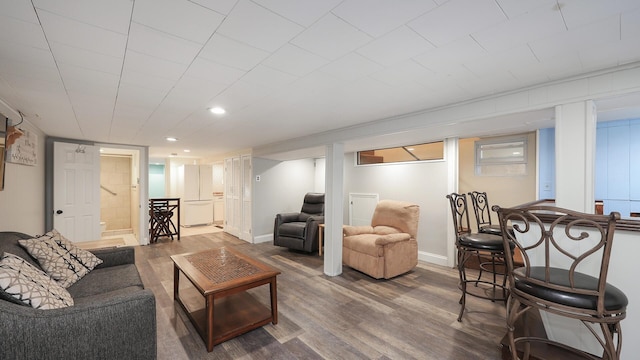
(388,247)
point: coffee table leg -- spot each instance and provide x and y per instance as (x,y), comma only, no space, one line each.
(176,281)
(274,301)
(209,307)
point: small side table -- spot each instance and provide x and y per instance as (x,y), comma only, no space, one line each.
(320,234)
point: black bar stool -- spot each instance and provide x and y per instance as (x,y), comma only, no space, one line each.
(481,246)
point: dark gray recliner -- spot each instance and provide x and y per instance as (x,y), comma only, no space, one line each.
(299,231)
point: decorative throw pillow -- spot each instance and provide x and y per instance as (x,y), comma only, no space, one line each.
(28,284)
(61,262)
(85,257)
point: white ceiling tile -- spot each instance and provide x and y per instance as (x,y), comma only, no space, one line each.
(303,12)
(293,60)
(630,25)
(211,71)
(21,10)
(26,54)
(239,95)
(11,70)
(221,6)
(146,64)
(456,19)
(268,77)
(256,26)
(515,8)
(398,45)
(82,35)
(454,53)
(22,32)
(226,51)
(152,42)
(403,73)
(519,58)
(145,80)
(93,82)
(134,95)
(65,54)
(331,38)
(199,88)
(581,12)
(351,67)
(378,17)
(112,15)
(183,19)
(539,23)
(581,38)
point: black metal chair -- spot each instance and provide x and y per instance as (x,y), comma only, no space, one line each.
(482,211)
(481,246)
(555,243)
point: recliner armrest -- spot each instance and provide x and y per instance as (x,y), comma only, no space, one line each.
(349,230)
(317,218)
(392,238)
(287,217)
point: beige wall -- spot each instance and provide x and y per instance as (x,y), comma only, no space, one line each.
(22,200)
(501,190)
(115,175)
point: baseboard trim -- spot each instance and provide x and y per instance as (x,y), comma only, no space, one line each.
(263,238)
(432,258)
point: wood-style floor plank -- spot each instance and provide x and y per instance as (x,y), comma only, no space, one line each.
(351,316)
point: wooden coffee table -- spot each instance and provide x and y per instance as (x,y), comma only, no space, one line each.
(222,276)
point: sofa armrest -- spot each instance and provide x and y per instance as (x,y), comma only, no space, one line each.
(121,326)
(115,256)
(392,238)
(348,230)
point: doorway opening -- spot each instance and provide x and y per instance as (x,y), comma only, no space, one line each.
(119,195)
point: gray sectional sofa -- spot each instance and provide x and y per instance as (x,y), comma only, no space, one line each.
(113,316)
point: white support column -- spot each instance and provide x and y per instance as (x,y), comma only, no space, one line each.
(453,160)
(334,208)
(575,156)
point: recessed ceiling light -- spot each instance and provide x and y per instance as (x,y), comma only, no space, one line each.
(187,150)
(217,110)
(169,138)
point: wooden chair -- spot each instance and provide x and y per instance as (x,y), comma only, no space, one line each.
(481,246)
(555,243)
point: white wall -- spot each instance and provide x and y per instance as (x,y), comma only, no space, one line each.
(22,200)
(423,183)
(281,189)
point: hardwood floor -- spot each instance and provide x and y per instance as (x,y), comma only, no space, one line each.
(350,316)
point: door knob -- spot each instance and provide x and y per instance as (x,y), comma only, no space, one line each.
(59,212)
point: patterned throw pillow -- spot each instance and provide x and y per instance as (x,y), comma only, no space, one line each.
(30,285)
(85,257)
(63,263)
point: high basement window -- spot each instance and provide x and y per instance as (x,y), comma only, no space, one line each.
(501,157)
(420,152)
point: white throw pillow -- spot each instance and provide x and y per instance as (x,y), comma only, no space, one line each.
(28,284)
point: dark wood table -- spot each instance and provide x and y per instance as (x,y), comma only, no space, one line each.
(223,276)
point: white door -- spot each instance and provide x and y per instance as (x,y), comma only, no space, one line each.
(361,207)
(230,225)
(245,233)
(76,191)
